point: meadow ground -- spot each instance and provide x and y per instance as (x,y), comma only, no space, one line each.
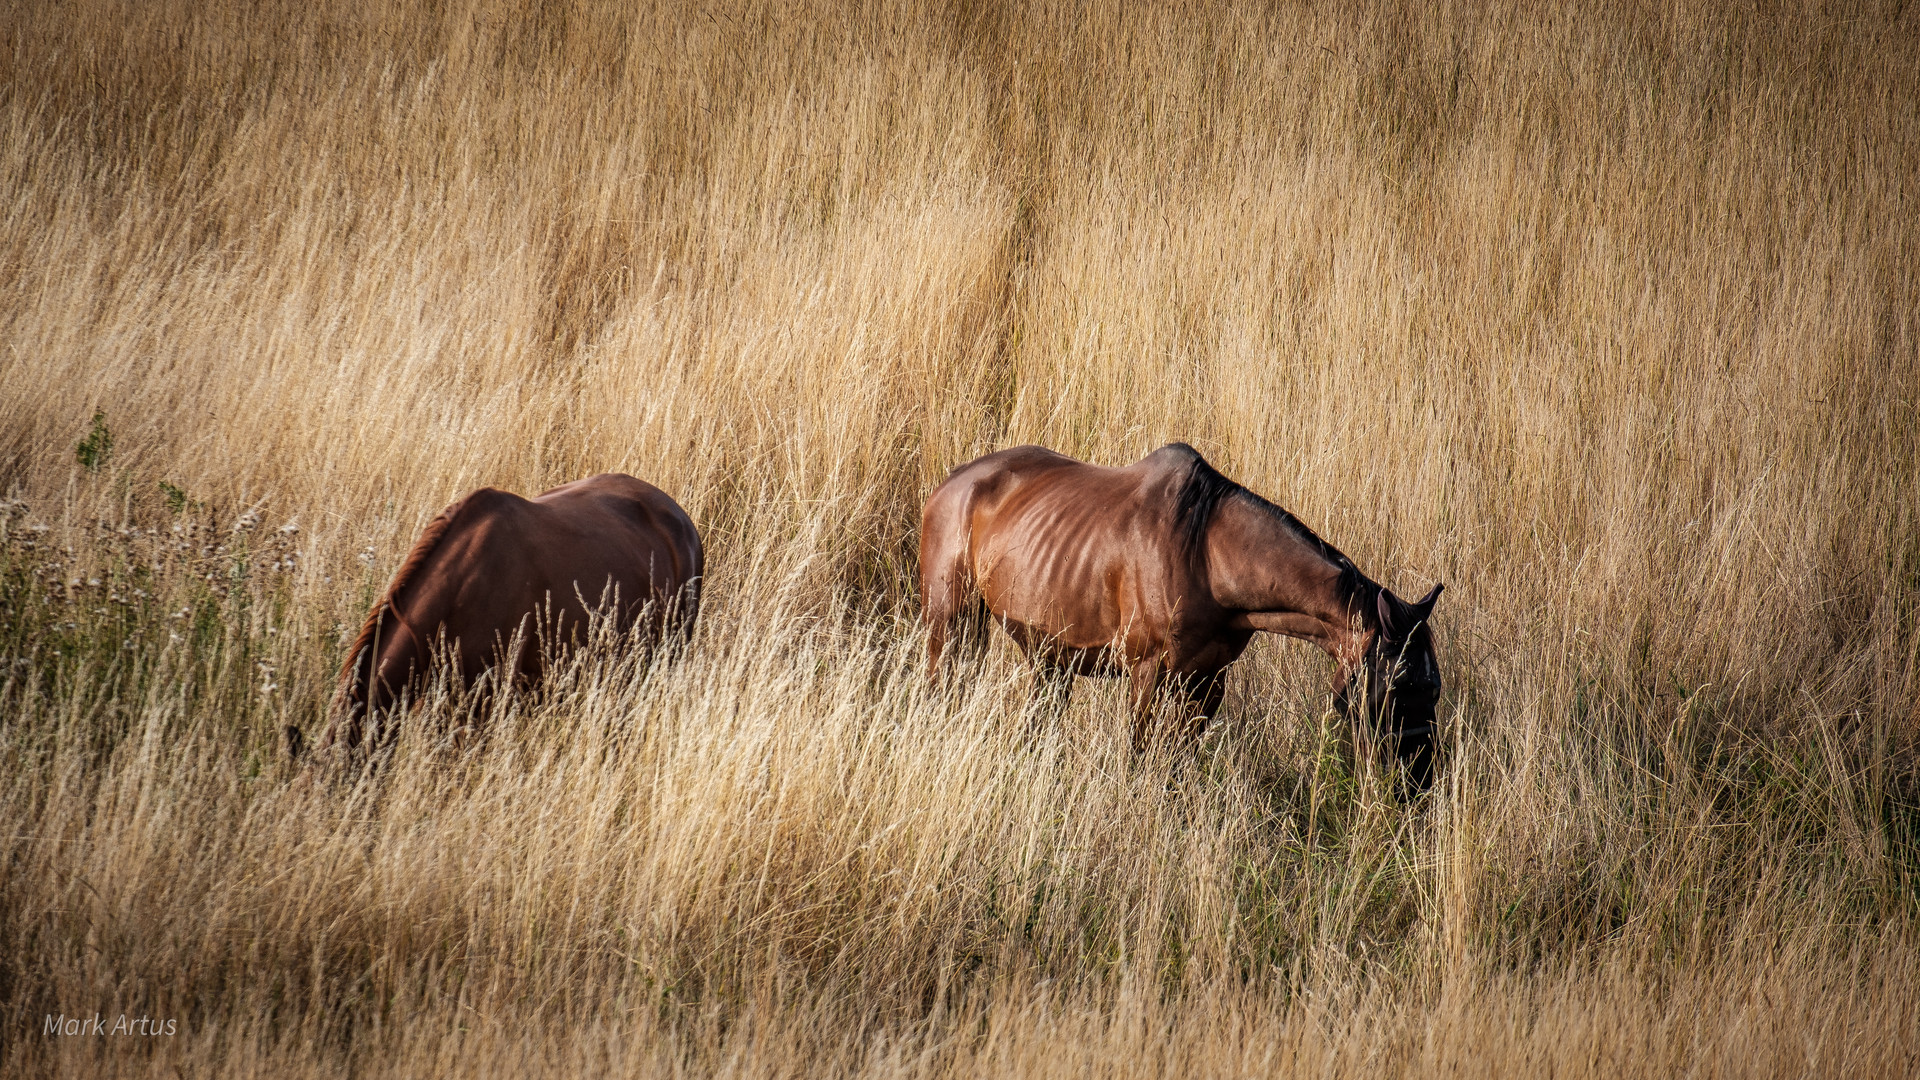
(1609,319)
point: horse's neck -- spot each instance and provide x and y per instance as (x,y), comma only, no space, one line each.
(1284,581)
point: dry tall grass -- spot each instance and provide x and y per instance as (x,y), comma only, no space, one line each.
(1606,318)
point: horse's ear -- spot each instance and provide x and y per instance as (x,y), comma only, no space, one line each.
(1384,603)
(1425,606)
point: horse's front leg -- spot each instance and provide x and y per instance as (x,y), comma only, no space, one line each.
(1201,700)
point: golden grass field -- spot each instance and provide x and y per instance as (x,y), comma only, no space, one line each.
(1606,316)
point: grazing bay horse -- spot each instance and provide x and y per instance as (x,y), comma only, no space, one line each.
(1163,570)
(507,582)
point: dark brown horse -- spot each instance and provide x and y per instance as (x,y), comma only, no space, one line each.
(1163,570)
(504,582)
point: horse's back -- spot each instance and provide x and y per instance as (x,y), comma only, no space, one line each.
(1065,498)
(616,532)
(603,514)
(617,493)
(986,479)
(503,558)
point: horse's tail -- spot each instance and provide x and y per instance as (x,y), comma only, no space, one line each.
(356,699)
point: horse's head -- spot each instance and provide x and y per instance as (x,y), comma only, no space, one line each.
(1397,681)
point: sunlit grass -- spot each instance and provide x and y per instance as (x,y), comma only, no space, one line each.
(1605,319)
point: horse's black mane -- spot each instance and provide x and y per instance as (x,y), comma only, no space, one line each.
(1204,489)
